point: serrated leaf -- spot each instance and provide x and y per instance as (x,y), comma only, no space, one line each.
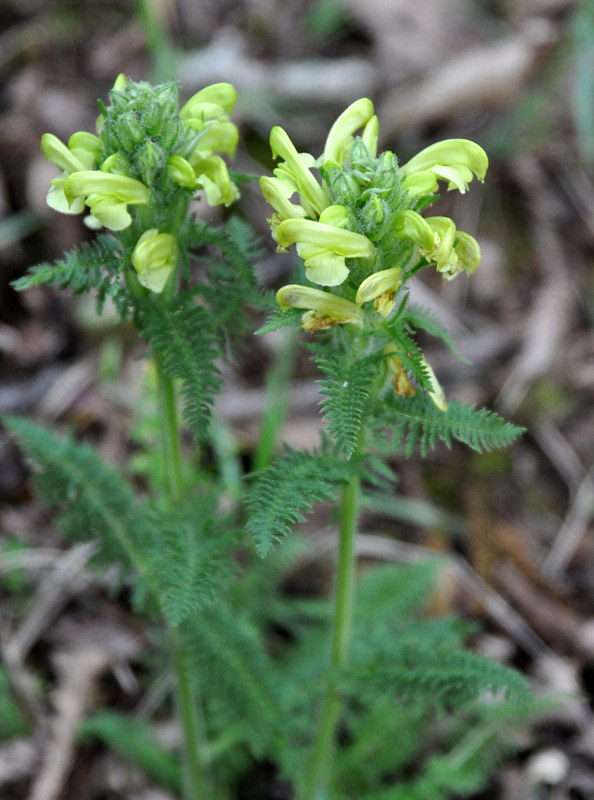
(417,421)
(347,389)
(281,494)
(429,321)
(184,337)
(94,266)
(190,557)
(99,504)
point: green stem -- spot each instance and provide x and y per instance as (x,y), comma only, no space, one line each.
(319,765)
(195,782)
(195,779)
(169,434)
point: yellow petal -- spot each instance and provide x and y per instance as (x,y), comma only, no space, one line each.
(219,94)
(341,133)
(329,305)
(345,243)
(450,152)
(383,281)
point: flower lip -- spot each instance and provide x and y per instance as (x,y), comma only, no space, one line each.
(154,259)
(386,280)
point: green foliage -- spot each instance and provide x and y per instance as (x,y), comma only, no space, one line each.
(428,320)
(277,319)
(237,677)
(408,351)
(417,421)
(230,283)
(95,266)
(412,696)
(280,493)
(97,503)
(347,388)
(183,336)
(190,556)
(134,739)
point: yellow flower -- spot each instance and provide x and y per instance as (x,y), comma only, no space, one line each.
(436,393)
(296,170)
(322,308)
(449,249)
(338,143)
(81,154)
(453,160)
(207,114)
(107,195)
(324,245)
(381,287)
(154,259)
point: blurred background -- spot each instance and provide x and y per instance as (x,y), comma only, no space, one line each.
(517,76)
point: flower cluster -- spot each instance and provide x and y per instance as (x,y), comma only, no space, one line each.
(355,219)
(148,156)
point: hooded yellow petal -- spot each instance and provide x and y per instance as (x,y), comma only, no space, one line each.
(341,133)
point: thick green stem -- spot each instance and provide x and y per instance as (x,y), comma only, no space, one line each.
(195,781)
(321,756)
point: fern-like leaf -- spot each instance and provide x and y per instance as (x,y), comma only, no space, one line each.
(283,492)
(231,282)
(98,503)
(184,337)
(93,266)
(237,677)
(190,558)
(417,421)
(347,388)
(428,320)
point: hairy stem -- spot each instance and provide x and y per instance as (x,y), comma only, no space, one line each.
(195,783)
(321,755)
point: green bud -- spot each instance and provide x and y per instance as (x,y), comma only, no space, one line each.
(149,159)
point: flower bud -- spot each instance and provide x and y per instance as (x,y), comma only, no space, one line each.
(154,259)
